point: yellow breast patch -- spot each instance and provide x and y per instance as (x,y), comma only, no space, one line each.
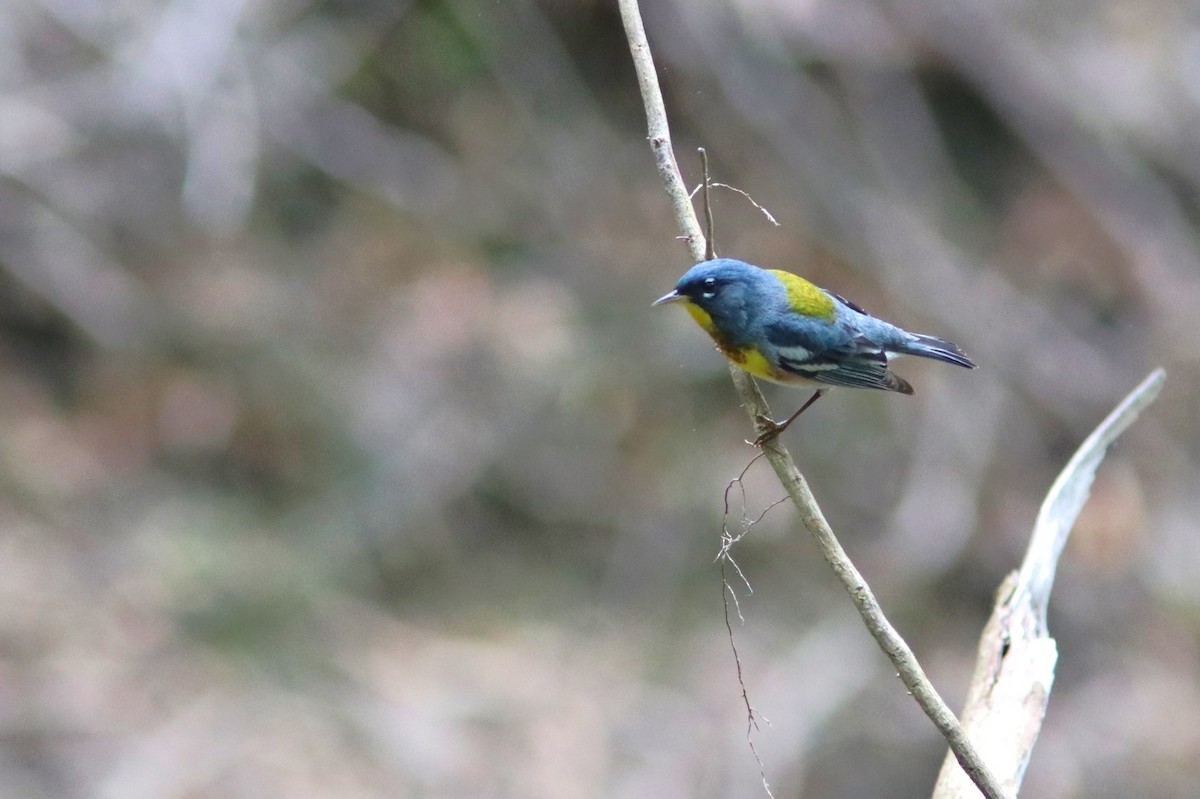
(750,359)
(804,297)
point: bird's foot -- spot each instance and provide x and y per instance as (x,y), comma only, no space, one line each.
(768,429)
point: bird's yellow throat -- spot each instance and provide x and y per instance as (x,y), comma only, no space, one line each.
(700,315)
(749,358)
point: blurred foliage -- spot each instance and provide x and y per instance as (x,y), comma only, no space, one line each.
(342,454)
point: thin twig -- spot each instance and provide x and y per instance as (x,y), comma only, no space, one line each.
(797,488)
(710,249)
(728,539)
(716,184)
(752,715)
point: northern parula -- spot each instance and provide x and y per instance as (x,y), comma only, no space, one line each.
(780,327)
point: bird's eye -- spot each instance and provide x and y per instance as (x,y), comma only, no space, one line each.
(710,288)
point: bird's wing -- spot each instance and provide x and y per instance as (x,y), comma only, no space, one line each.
(832,355)
(851,305)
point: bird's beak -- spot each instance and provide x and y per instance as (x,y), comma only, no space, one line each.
(670,296)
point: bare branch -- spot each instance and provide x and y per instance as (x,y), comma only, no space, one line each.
(1068,494)
(659,130)
(888,639)
(1014,671)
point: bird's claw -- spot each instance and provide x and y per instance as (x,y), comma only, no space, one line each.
(768,429)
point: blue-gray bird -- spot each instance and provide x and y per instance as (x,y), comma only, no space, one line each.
(780,327)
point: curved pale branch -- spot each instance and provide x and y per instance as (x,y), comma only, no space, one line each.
(1014,671)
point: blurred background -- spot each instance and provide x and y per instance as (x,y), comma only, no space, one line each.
(341,453)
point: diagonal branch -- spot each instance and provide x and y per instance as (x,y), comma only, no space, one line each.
(794,483)
(659,131)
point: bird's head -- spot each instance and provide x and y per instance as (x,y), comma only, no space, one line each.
(722,295)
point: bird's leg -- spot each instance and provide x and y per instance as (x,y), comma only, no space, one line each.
(774,428)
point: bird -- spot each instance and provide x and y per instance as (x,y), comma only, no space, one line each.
(782,328)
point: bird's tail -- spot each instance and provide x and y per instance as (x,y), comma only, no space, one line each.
(937,348)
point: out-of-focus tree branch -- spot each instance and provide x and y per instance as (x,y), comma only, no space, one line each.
(885,634)
(1015,669)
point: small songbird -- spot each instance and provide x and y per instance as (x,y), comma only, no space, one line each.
(780,327)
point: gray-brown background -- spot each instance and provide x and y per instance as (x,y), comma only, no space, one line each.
(342,455)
